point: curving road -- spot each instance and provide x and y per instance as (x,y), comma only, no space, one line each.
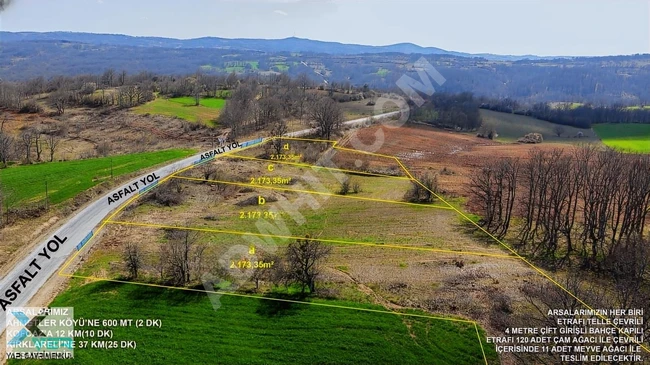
(19,285)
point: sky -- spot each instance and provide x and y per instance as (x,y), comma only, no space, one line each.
(546,28)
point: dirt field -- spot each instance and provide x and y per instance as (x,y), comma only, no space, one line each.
(419,275)
(454,156)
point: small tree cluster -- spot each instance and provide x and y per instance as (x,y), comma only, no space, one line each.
(423,189)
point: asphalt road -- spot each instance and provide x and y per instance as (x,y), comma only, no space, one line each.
(19,285)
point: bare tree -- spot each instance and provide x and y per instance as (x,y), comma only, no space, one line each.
(132,257)
(26,138)
(266,112)
(108,77)
(279,130)
(494,188)
(208,170)
(169,194)
(327,115)
(59,100)
(558,130)
(304,258)
(38,143)
(266,273)
(236,114)
(53,141)
(122,77)
(5,118)
(6,148)
(185,255)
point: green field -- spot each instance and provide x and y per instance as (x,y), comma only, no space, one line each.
(255,331)
(382,72)
(638,107)
(184,108)
(281,66)
(511,127)
(625,137)
(66,179)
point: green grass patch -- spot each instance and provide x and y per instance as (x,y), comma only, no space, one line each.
(625,137)
(255,331)
(69,178)
(184,108)
(511,127)
(638,107)
(382,72)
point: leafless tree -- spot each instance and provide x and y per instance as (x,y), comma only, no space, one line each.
(185,256)
(236,114)
(279,130)
(6,147)
(327,115)
(27,139)
(266,112)
(266,273)
(494,189)
(38,142)
(132,257)
(53,141)
(169,194)
(304,258)
(558,130)
(122,77)
(59,100)
(108,77)
(5,118)
(208,171)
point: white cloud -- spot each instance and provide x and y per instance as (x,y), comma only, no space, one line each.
(280,12)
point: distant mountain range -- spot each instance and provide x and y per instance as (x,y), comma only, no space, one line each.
(612,79)
(292,44)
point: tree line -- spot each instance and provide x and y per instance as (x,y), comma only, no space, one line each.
(257,104)
(596,80)
(587,204)
(182,261)
(575,115)
(455,111)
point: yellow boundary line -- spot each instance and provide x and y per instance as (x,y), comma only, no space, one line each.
(368,310)
(316,167)
(325,240)
(279,299)
(308,192)
(540,271)
(170,176)
(399,162)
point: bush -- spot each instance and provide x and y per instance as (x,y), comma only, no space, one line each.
(30,107)
(418,194)
(345,187)
(103,148)
(356,187)
(169,194)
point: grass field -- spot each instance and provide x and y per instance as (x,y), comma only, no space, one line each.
(67,179)
(511,127)
(254,331)
(382,72)
(184,108)
(626,137)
